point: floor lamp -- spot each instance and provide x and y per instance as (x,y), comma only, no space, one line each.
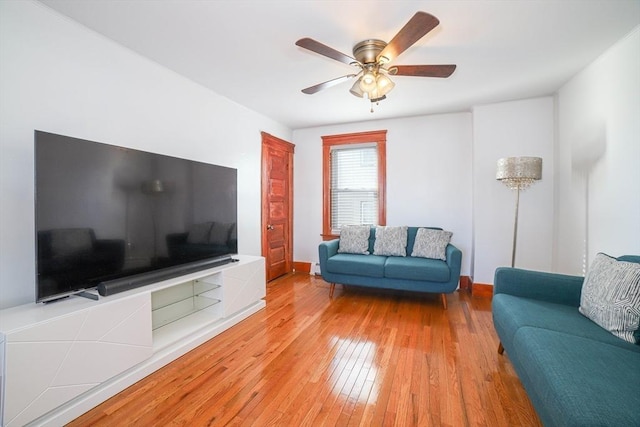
(518,173)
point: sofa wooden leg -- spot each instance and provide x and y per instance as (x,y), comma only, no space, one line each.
(444,300)
(500,349)
(331,289)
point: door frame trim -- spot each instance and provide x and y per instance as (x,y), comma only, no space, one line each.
(270,141)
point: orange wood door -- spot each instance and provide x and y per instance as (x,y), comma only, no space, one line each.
(277,205)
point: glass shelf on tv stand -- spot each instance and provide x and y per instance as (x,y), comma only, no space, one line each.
(177,302)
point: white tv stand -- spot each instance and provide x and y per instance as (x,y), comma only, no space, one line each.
(64,358)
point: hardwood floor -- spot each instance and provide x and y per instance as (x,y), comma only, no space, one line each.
(362,358)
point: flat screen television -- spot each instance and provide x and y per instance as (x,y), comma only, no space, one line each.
(114,218)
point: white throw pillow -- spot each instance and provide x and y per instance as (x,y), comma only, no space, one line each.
(431,243)
(354,239)
(611,296)
(391,241)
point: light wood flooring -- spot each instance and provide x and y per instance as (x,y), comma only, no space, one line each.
(368,358)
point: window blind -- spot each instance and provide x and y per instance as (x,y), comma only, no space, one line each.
(354,186)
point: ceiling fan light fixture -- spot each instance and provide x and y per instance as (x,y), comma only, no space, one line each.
(384,84)
(355,89)
(373,85)
(368,82)
(374,94)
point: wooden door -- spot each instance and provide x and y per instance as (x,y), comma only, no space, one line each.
(277,205)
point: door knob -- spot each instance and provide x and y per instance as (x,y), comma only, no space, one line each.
(269,227)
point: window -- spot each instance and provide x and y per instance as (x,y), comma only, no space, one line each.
(354,182)
(354,185)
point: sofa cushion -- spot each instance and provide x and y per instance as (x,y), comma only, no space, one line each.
(390,241)
(431,243)
(411,268)
(361,265)
(611,296)
(511,313)
(354,239)
(576,381)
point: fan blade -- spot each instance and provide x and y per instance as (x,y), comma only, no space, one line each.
(325,50)
(423,70)
(419,25)
(324,85)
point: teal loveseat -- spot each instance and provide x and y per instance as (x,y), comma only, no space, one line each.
(391,272)
(575,372)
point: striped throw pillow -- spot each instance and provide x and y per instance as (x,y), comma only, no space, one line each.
(611,296)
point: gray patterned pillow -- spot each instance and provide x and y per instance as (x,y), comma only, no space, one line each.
(354,239)
(611,296)
(431,243)
(390,241)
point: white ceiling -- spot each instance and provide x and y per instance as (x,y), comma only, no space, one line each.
(245,49)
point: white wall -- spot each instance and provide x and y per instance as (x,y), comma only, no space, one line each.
(598,159)
(57,76)
(428,178)
(512,129)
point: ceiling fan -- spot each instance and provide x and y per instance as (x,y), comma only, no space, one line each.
(372,57)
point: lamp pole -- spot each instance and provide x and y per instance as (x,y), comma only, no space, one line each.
(515,228)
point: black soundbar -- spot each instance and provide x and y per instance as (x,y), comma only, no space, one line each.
(123,284)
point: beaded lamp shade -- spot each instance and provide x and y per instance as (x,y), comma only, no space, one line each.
(518,173)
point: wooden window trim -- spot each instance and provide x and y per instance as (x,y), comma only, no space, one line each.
(379,137)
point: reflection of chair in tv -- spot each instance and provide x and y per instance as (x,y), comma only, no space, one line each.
(204,240)
(74,255)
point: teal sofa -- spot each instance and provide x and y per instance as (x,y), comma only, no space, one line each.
(391,272)
(575,372)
